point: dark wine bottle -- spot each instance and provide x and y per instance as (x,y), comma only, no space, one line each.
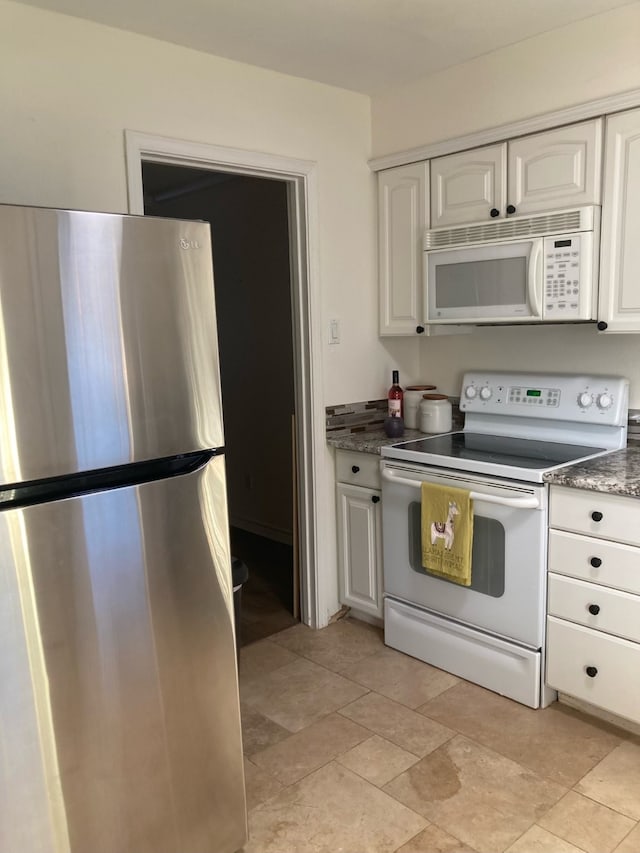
(395,396)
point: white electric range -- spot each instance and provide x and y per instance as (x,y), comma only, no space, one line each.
(518,426)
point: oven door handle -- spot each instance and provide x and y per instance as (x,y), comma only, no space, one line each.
(528,502)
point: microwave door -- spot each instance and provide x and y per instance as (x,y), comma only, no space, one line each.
(494,283)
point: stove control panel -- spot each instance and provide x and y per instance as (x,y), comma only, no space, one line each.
(551,396)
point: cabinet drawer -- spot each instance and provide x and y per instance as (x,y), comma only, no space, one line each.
(572,648)
(358,469)
(595,560)
(611,611)
(578,510)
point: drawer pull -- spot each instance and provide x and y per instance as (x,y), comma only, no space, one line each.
(596,562)
(355,468)
(375,499)
(591,671)
(594,609)
(596,516)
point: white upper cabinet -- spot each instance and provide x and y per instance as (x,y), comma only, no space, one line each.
(467,187)
(555,169)
(619,307)
(546,171)
(403,195)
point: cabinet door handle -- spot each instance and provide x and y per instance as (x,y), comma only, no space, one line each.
(420,330)
(596,562)
(355,468)
(594,609)
(602,326)
(510,209)
(597,516)
(494,212)
(375,499)
(591,671)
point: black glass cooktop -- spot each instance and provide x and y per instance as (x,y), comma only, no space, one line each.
(500,450)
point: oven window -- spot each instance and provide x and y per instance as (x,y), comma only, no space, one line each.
(487,556)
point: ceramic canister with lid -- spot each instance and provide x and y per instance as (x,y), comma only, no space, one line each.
(412,398)
(435,413)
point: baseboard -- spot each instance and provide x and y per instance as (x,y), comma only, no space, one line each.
(273,533)
(361,616)
(605,716)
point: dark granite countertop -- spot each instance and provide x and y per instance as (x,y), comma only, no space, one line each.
(370,441)
(617,473)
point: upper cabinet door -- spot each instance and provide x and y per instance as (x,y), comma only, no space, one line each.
(468,187)
(555,169)
(402,218)
(620,253)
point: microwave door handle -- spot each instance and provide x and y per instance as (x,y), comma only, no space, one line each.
(535,279)
(529,502)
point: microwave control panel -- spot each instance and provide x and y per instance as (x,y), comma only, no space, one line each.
(562,268)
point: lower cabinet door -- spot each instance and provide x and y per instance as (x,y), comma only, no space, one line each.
(360,548)
(594,667)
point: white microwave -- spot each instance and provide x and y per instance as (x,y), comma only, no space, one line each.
(528,269)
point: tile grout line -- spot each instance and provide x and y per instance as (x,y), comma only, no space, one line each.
(622,840)
(456,731)
(605,805)
(509,758)
(622,738)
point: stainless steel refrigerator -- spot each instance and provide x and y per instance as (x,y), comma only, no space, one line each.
(119,711)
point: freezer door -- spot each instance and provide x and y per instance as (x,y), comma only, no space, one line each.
(121,726)
(108,343)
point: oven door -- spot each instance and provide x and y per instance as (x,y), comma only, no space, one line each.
(507,592)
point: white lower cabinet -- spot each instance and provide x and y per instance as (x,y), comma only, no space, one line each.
(593,626)
(597,668)
(359,512)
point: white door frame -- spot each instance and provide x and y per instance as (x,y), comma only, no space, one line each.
(300,177)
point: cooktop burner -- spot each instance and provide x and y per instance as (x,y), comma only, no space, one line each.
(500,450)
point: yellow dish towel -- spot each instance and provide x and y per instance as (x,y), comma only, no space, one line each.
(447,532)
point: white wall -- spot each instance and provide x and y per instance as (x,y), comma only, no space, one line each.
(590,59)
(69,89)
(593,58)
(569,349)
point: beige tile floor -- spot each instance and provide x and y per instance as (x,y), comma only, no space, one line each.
(351,747)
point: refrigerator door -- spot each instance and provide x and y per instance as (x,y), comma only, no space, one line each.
(108,343)
(120,725)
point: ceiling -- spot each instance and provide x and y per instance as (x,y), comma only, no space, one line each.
(364,45)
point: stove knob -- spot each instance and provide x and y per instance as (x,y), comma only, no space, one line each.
(470,392)
(605,401)
(585,399)
(485,393)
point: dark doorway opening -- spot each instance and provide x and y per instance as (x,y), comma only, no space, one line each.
(249,221)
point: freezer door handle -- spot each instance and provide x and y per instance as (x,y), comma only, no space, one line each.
(525,502)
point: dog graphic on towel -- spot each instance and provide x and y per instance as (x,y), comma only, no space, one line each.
(447,532)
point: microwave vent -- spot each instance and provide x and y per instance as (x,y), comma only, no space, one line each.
(578,219)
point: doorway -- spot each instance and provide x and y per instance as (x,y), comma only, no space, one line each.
(249,220)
